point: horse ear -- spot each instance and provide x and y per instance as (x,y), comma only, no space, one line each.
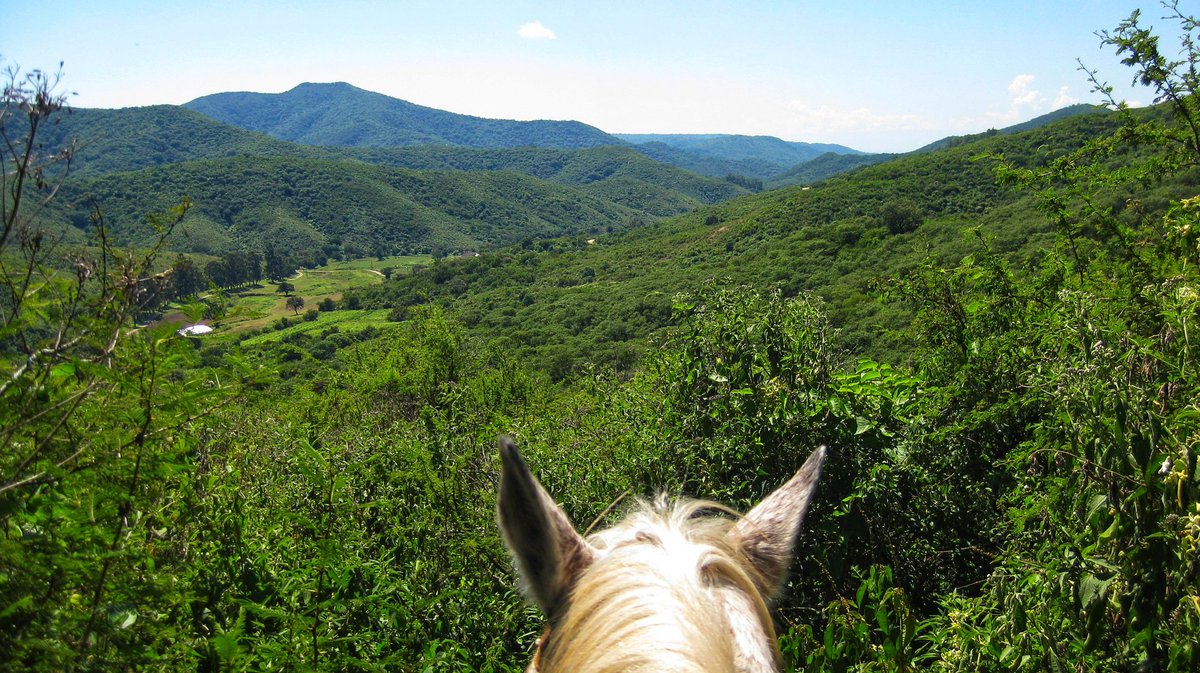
(767,534)
(550,554)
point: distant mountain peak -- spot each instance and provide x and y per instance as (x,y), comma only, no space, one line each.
(326,85)
(343,115)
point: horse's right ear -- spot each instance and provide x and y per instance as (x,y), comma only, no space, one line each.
(550,554)
(767,534)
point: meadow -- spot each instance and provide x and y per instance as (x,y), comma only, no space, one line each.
(256,306)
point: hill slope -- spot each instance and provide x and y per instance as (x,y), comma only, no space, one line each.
(339,114)
(565,302)
(136,138)
(620,173)
(129,139)
(739,147)
(830,164)
(1030,125)
(761,157)
(826,166)
(312,207)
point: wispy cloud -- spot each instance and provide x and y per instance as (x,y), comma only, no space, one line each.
(1064,98)
(534,30)
(1025,101)
(1023,94)
(823,118)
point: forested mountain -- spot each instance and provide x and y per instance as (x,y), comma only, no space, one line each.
(135,138)
(128,139)
(1037,122)
(826,166)
(754,156)
(1061,113)
(342,115)
(830,164)
(625,175)
(250,189)
(315,208)
(708,165)
(835,239)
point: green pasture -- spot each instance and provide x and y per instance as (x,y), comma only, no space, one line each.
(348,321)
(400,263)
(260,305)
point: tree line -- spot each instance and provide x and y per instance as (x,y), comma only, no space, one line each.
(234,269)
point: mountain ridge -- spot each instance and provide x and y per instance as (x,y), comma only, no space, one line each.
(340,114)
(314,207)
(831,239)
(740,146)
(132,139)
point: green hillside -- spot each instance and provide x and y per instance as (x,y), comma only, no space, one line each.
(339,114)
(564,302)
(129,139)
(829,164)
(719,154)
(620,173)
(135,138)
(317,207)
(826,166)
(1037,122)
(708,165)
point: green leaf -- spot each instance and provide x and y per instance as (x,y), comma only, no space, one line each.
(1092,589)
(862,425)
(1094,504)
(1109,534)
(21,604)
(62,370)
(226,645)
(883,619)
(1006,654)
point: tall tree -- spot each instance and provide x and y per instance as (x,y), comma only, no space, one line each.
(186,279)
(277,266)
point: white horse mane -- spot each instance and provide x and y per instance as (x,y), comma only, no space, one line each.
(667,589)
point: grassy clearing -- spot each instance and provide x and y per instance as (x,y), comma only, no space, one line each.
(349,321)
(400,263)
(258,306)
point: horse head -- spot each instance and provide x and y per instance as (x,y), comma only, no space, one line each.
(667,589)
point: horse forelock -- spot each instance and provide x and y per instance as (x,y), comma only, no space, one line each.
(668,591)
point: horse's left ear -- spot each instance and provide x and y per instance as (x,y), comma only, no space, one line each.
(767,534)
(550,554)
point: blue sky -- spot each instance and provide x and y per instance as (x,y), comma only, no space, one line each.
(877,76)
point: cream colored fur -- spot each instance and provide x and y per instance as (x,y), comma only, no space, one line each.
(667,592)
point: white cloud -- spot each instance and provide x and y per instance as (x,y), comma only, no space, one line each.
(1064,98)
(824,118)
(534,30)
(1026,102)
(1023,94)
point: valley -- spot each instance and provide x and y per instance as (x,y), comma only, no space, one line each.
(258,307)
(988,335)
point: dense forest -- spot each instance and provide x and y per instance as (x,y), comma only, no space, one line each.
(993,338)
(250,191)
(342,115)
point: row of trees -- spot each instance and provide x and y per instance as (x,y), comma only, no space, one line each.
(232,270)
